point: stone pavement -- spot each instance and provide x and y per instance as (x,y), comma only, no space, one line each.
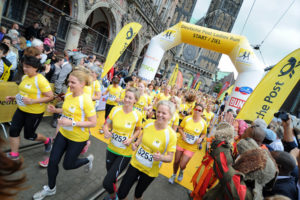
(76,184)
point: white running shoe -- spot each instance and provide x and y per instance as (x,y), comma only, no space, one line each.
(180,176)
(172,179)
(89,165)
(46,191)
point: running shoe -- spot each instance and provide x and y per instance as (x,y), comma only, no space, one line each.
(180,176)
(89,165)
(107,197)
(44,163)
(46,191)
(86,147)
(48,146)
(172,179)
(8,154)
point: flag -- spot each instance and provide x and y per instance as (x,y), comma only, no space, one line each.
(119,45)
(174,76)
(272,91)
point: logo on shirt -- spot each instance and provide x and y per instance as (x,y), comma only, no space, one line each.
(141,103)
(128,125)
(28,86)
(197,130)
(156,143)
(72,109)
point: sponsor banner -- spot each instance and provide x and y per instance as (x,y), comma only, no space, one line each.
(243,90)
(272,91)
(195,80)
(179,81)
(236,103)
(225,86)
(119,45)
(168,35)
(198,85)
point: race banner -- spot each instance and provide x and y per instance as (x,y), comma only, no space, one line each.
(174,76)
(198,85)
(7,109)
(119,45)
(272,91)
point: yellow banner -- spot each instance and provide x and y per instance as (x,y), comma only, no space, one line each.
(229,90)
(119,45)
(272,91)
(7,109)
(174,76)
(198,85)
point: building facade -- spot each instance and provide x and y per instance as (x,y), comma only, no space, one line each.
(93,24)
(195,61)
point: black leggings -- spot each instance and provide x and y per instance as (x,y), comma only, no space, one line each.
(115,164)
(29,121)
(71,161)
(133,174)
(108,108)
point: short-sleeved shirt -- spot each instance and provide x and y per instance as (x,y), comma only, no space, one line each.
(113,94)
(123,127)
(33,88)
(160,97)
(153,141)
(209,116)
(174,120)
(144,101)
(192,130)
(95,87)
(77,109)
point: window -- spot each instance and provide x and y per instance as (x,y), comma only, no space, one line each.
(168,7)
(15,10)
(157,3)
(63,28)
(101,45)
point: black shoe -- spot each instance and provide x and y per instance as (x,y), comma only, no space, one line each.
(48,146)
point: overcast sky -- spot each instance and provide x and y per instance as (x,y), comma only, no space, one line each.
(284,39)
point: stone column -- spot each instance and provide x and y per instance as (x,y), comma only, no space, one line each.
(73,36)
(1,8)
(133,63)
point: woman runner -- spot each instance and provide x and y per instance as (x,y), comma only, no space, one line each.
(125,123)
(193,131)
(156,140)
(34,92)
(78,115)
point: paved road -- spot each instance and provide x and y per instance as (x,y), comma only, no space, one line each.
(76,184)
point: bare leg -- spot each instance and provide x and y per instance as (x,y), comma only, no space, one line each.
(14,144)
(184,161)
(41,137)
(178,156)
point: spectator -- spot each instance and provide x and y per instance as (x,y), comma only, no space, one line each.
(59,61)
(11,56)
(41,34)
(49,41)
(3,31)
(5,65)
(285,183)
(60,86)
(22,46)
(40,46)
(31,31)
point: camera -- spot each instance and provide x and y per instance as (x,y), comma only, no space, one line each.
(284,116)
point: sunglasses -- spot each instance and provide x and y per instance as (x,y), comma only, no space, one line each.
(198,110)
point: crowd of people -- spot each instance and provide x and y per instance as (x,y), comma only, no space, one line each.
(147,123)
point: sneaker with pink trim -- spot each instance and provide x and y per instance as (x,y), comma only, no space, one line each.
(44,163)
(86,147)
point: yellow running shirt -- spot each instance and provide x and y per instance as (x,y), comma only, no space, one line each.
(123,126)
(77,109)
(153,141)
(174,120)
(144,101)
(160,97)
(95,87)
(193,130)
(208,116)
(33,88)
(113,94)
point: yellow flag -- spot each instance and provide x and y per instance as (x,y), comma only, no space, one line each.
(174,76)
(198,85)
(119,45)
(272,91)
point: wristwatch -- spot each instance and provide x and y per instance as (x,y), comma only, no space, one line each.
(73,123)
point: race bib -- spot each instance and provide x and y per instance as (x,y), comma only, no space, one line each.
(144,157)
(19,100)
(190,139)
(111,97)
(68,128)
(117,140)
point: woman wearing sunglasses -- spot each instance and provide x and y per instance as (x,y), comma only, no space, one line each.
(192,133)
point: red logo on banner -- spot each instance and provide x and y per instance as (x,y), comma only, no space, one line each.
(237,103)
